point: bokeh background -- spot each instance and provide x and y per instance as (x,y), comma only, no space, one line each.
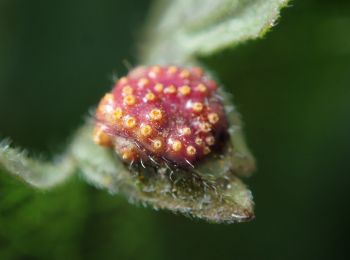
(293,89)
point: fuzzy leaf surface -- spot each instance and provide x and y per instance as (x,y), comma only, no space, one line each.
(37,173)
(184,29)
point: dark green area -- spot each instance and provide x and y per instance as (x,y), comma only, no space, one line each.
(293,89)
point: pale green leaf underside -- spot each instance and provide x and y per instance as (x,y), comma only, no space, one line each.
(182,29)
(37,173)
(211,192)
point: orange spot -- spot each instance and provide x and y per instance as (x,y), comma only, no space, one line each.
(206,150)
(118,113)
(129,100)
(197,107)
(158,87)
(129,122)
(184,74)
(213,118)
(185,90)
(198,141)
(154,71)
(172,70)
(146,130)
(170,89)
(185,131)
(101,138)
(150,96)
(108,98)
(201,88)
(142,82)
(157,144)
(123,80)
(190,150)
(155,114)
(210,140)
(127,90)
(106,106)
(129,155)
(205,127)
(176,145)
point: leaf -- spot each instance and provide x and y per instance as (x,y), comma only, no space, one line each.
(211,191)
(37,173)
(181,30)
(216,198)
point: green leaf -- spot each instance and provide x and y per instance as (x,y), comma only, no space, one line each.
(181,30)
(210,191)
(37,173)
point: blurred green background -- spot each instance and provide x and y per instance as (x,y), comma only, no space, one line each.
(293,89)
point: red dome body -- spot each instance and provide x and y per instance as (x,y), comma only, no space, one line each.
(168,113)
